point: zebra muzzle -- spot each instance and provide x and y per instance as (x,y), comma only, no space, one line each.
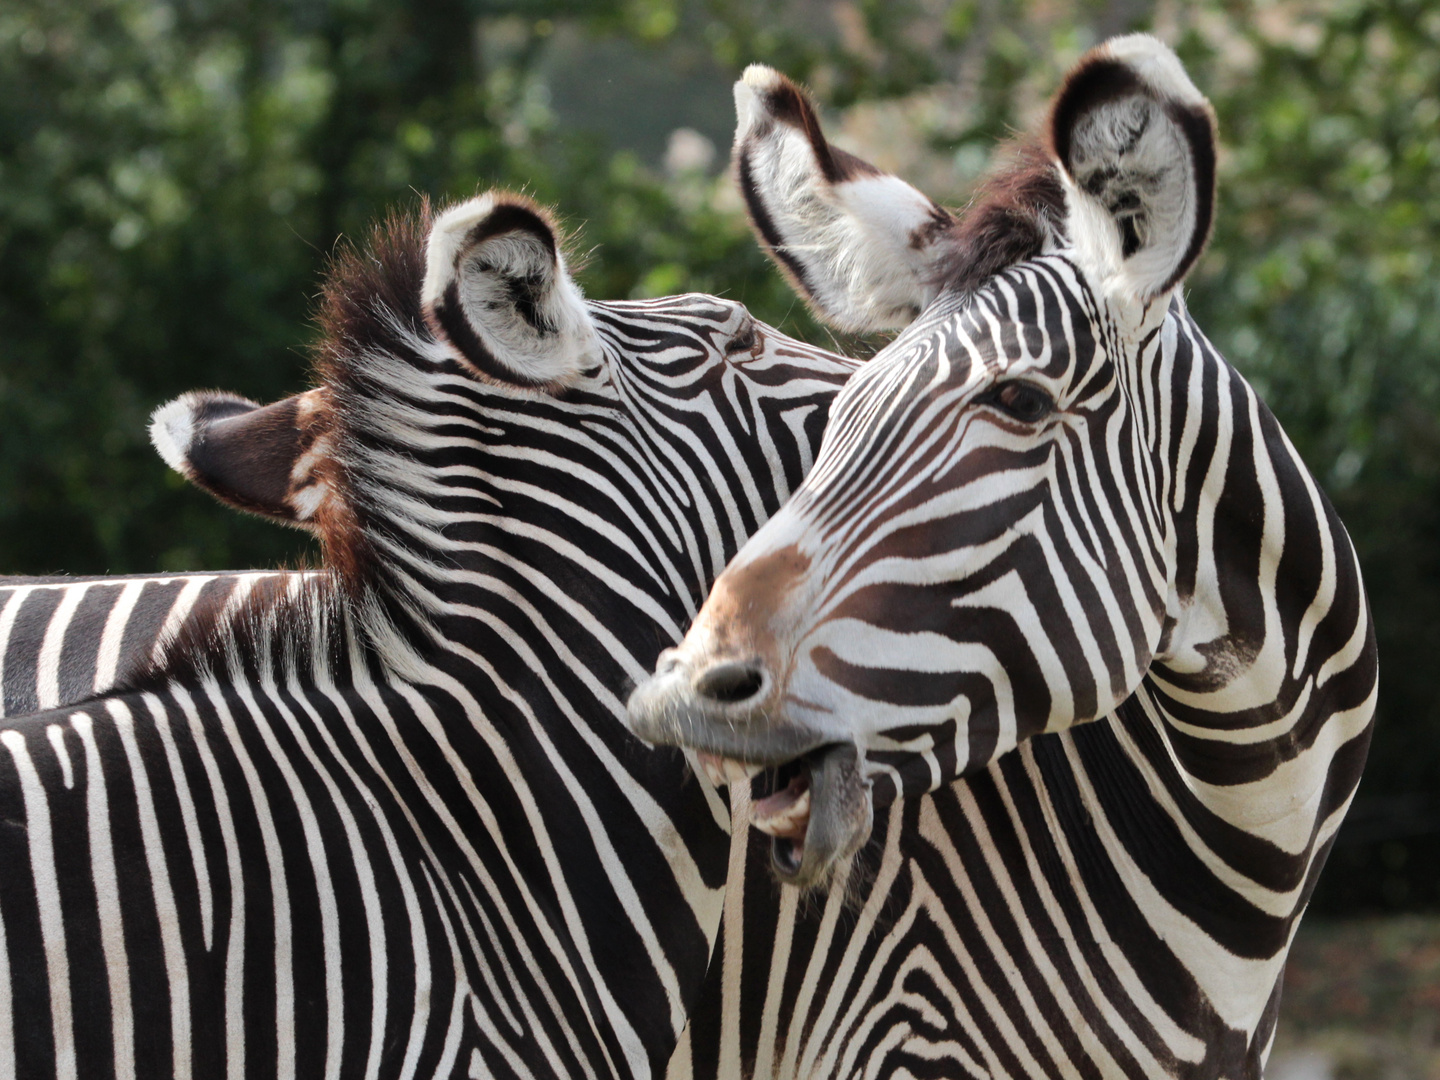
(807,790)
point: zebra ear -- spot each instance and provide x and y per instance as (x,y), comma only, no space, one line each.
(497,290)
(1136,145)
(273,460)
(859,244)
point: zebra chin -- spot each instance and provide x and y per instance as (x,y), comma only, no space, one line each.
(808,792)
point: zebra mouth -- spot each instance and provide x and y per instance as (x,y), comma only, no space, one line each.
(815,808)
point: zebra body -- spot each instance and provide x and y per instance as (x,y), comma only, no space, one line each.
(385,821)
(1055,546)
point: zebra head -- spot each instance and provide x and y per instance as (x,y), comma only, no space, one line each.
(685,406)
(987,547)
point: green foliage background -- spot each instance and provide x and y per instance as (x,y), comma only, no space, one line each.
(173,176)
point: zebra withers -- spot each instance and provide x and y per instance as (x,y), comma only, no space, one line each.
(1052,545)
(65,639)
(385,822)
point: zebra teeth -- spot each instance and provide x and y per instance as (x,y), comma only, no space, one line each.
(722,770)
(786,814)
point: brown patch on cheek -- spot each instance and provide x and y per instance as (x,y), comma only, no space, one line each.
(746,613)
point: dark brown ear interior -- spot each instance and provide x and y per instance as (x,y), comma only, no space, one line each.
(273,460)
(247,457)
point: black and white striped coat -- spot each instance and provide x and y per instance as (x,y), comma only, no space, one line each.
(384,821)
(1054,545)
(65,639)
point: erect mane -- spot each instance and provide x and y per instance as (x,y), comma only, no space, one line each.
(1012,216)
(369,307)
(285,624)
(370,290)
(369,315)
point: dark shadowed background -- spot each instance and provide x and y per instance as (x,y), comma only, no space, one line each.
(173,177)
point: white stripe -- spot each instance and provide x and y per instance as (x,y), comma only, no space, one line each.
(451,1048)
(56,735)
(107,897)
(235,946)
(369,893)
(47,897)
(319,865)
(496,995)
(7,1012)
(179,611)
(512,931)
(275,870)
(107,659)
(13,604)
(840,923)
(168,916)
(188,818)
(779,959)
(47,664)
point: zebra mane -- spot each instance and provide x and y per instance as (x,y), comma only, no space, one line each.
(1017,212)
(371,320)
(369,308)
(292,623)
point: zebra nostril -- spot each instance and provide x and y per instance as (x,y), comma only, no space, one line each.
(731,681)
(667,662)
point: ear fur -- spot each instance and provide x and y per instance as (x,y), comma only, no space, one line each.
(496,288)
(273,460)
(860,245)
(1136,144)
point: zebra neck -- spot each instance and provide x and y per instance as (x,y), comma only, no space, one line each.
(1263,682)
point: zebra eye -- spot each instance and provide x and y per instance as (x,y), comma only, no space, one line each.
(1023,401)
(744,339)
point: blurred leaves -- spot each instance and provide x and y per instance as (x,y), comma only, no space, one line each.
(1361,1000)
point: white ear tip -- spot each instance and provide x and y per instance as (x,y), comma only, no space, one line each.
(172,429)
(1156,65)
(460,217)
(446,236)
(757,80)
(761,77)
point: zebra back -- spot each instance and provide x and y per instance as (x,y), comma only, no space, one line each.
(65,639)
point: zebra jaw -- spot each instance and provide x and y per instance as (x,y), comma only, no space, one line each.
(781,804)
(785,814)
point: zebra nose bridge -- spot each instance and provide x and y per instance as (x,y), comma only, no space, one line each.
(738,643)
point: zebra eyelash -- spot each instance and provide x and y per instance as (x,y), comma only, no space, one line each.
(744,339)
(1020,400)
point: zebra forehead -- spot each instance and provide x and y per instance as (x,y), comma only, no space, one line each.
(1037,319)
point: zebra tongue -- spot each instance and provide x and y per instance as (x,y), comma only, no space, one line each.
(786,814)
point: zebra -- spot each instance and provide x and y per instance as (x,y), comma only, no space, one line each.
(1058,619)
(385,820)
